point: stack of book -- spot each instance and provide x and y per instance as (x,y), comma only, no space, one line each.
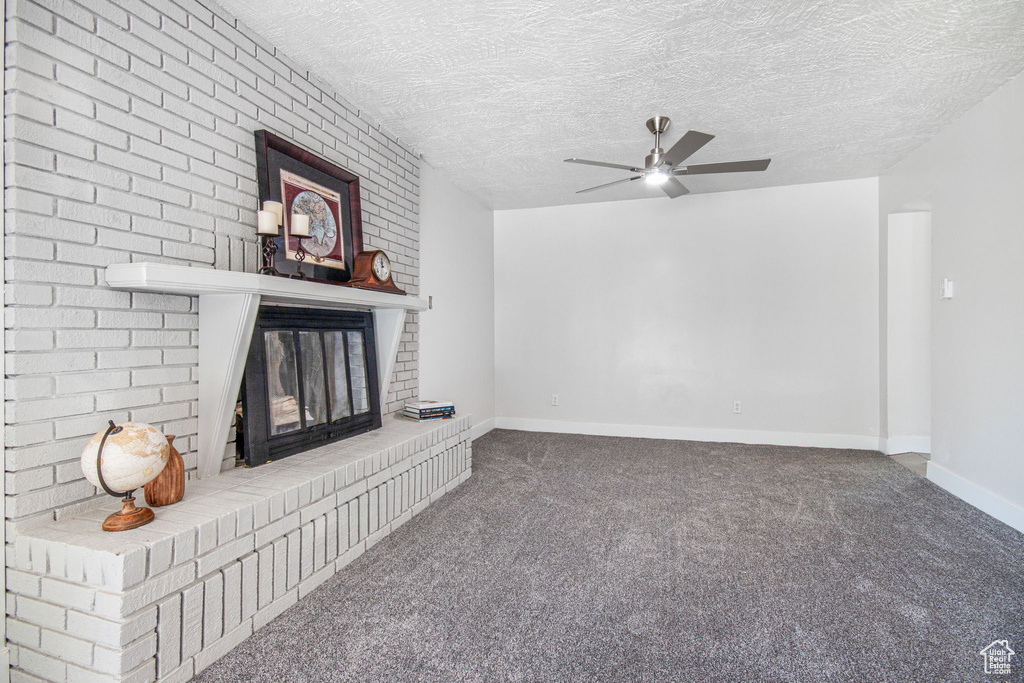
(429,410)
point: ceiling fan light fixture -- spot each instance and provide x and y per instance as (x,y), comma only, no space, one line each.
(661,168)
(656,177)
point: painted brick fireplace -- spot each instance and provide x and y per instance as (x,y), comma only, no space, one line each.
(129,139)
(164,601)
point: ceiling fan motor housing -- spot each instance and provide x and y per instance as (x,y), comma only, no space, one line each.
(657,125)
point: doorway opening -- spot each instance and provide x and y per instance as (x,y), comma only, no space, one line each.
(908,300)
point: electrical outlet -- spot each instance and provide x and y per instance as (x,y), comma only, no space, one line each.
(737,407)
(554,399)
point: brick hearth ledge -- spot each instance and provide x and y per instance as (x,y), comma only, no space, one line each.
(164,601)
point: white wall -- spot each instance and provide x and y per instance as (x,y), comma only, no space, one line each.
(908,333)
(457,270)
(971,177)
(650,317)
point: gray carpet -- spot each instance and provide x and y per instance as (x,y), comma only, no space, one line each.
(576,558)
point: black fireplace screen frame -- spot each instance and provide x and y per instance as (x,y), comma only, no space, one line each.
(259,445)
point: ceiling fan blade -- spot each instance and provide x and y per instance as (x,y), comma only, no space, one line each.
(603,163)
(687,145)
(673,188)
(616,182)
(726,167)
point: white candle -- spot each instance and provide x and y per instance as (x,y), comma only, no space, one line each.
(300,225)
(266,222)
(277,208)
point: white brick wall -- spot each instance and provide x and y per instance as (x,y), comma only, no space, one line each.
(129,137)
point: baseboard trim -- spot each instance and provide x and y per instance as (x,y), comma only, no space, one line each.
(980,497)
(905,444)
(478,430)
(863,443)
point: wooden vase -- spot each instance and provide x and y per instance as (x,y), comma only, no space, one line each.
(169,486)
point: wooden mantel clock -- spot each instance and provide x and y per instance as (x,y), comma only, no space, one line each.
(372,270)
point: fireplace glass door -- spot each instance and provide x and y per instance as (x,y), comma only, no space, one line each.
(310,378)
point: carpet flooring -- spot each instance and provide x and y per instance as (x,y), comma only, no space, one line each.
(581,558)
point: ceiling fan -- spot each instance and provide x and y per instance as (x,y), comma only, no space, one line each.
(661,168)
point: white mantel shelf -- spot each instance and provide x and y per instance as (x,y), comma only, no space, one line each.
(169,279)
(228,303)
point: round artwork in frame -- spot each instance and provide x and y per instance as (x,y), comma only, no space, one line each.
(323,228)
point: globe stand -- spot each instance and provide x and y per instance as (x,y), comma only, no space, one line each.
(129,516)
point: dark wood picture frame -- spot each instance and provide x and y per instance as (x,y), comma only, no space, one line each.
(273,154)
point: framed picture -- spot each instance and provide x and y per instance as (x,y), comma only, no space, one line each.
(307,184)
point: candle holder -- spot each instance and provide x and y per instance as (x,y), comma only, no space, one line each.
(300,256)
(269,256)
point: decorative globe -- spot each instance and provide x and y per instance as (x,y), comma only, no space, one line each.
(132,457)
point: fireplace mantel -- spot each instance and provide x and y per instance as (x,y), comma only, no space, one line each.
(228,302)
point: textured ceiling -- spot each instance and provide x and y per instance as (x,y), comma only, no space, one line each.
(496,94)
